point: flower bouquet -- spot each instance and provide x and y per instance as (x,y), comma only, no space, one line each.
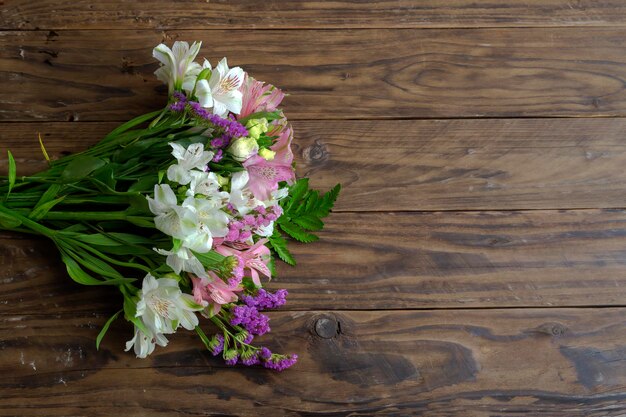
(196,199)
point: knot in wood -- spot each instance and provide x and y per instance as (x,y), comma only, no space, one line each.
(553,329)
(318,152)
(326,327)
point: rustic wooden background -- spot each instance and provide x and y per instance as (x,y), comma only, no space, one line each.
(475,264)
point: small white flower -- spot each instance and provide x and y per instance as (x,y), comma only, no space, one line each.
(144,344)
(206,184)
(183,260)
(240,196)
(211,222)
(171,219)
(192,157)
(221,90)
(177,69)
(162,306)
(265,231)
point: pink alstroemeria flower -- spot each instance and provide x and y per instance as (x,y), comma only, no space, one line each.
(258,96)
(255,259)
(215,292)
(265,175)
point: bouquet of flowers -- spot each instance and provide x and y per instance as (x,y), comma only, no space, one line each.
(196,199)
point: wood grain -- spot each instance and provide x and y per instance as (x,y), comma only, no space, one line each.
(500,164)
(394,261)
(561,363)
(330,74)
(292,14)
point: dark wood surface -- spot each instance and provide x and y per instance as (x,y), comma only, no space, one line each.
(475,264)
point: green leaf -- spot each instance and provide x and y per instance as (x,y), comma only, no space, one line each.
(130,312)
(40,211)
(130,124)
(296,192)
(105,328)
(210,260)
(144,184)
(106,175)
(269,115)
(203,337)
(81,167)
(8,221)
(43,148)
(328,201)
(50,194)
(77,273)
(279,244)
(296,231)
(141,221)
(309,222)
(12,172)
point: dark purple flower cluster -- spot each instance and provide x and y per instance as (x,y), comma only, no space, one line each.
(264,300)
(264,357)
(217,344)
(250,319)
(232,361)
(180,103)
(250,359)
(230,126)
(279,362)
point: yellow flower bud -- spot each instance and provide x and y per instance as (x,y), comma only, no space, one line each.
(267,154)
(256,127)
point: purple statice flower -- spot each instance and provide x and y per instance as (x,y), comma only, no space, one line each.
(219,154)
(231,127)
(280,363)
(180,103)
(250,319)
(264,300)
(250,359)
(249,338)
(232,361)
(265,353)
(217,344)
(220,141)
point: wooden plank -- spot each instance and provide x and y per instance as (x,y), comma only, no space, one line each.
(548,362)
(487,164)
(292,14)
(394,261)
(330,74)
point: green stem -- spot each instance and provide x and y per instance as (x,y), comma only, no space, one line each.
(86,215)
(33,225)
(111,260)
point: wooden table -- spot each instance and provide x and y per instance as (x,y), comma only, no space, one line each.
(475,264)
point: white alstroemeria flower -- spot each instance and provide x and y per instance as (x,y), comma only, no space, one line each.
(162,306)
(183,260)
(171,219)
(240,196)
(145,343)
(206,184)
(192,157)
(203,89)
(177,69)
(221,91)
(265,231)
(211,222)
